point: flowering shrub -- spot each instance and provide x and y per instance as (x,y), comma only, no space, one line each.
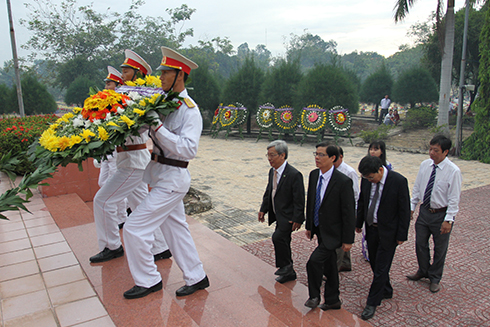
(16,134)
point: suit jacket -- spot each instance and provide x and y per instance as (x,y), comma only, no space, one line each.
(393,211)
(289,200)
(337,211)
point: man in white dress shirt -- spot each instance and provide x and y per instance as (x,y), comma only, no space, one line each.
(438,187)
(176,139)
(343,258)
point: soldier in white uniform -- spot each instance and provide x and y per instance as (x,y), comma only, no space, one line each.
(175,143)
(125,183)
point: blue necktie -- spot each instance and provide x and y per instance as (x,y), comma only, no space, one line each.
(318,202)
(428,189)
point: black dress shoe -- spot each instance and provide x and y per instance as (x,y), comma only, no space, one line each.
(415,277)
(368,312)
(188,290)
(286,270)
(344,268)
(312,302)
(334,306)
(138,291)
(387,296)
(106,255)
(163,255)
(286,278)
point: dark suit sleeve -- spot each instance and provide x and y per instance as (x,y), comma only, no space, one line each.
(361,203)
(264,207)
(298,189)
(404,210)
(310,200)
(348,212)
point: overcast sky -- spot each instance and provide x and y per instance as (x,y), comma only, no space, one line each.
(365,25)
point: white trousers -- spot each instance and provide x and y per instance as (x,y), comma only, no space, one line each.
(125,182)
(107,170)
(161,209)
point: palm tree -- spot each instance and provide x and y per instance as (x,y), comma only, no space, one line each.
(447,45)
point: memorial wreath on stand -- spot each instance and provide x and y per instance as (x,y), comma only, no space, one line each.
(313,121)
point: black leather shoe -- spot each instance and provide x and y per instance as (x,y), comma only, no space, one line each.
(188,290)
(163,255)
(138,291)
(106,255)
(368,312)
(286,270)
(434,287)
(334,306)
(344,268)
(415,277)
(312,302)
(286,278)
(387,296)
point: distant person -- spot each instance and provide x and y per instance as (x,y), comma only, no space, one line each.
(384,208)
(438,187)
(284,202)
(396,117)
(343,257)
(113,79)
(389,118)
(330,215)
(385,105)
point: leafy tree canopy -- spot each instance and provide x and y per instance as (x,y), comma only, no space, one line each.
(281,83)
(376,86)
(415,85)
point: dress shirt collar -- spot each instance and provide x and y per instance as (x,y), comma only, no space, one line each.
(441,164)
(280,170)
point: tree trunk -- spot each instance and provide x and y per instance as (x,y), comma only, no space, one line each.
(446,68)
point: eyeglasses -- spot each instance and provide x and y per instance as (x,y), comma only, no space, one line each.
(271,155)
(321,155)
(369,178)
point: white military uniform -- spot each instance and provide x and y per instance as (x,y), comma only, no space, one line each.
(125,183)
(107,169)
(163,208)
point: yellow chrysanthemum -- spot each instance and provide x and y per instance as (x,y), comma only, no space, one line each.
(153,98)
(75,139)
(152,80)
(77,110)
(140,81)
(66,117)
(138,111)
(103,135)
(111,123)
(128,121)
(87,135)
(64,142)
(142,102)
(54,126)
(130,83)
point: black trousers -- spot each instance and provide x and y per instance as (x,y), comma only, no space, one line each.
(282,246)
(380,258)
(323,262)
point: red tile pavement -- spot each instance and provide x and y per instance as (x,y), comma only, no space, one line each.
(464,299)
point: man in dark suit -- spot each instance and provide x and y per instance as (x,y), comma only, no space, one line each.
(330,215)
(284,201)
(384,205)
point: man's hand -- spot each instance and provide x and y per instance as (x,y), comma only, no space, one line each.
(358,230)
(346,247)
(261,217)
(308,234)
(400,242)
(446,227)
(156,119)
(296,226)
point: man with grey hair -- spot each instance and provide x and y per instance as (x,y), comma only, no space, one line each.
(284,201)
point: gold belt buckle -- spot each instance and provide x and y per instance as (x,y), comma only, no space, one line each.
(432,210)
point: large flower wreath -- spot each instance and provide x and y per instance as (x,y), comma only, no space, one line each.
(265,118)
(215,123)
(313,119)
(339,120)
(285,119)
(105,121)
(228,116)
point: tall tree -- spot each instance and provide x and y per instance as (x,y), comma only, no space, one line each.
(414,86)
(477,146)
(281,83)
(310,49)
(327,86)
(36,97)
(447,46)
(245,86)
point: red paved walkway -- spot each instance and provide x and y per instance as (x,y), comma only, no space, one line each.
(465,296)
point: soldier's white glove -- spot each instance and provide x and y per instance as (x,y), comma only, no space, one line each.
(156,119)
(96,163)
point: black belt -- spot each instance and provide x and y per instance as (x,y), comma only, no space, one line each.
(374,225)
(168,161)
(437,210)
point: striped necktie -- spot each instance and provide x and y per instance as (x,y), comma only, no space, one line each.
(318,202)
(428,189)
(372,206)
